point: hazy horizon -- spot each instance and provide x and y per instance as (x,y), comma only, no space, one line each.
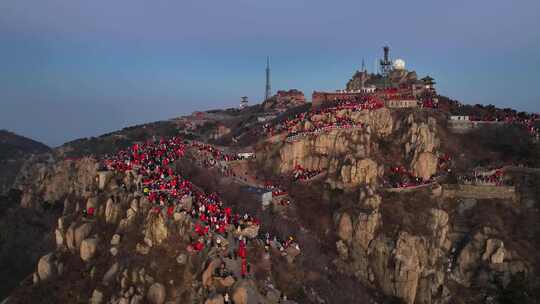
(79,69)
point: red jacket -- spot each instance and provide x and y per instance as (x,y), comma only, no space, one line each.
(242,250)
(170,210)
(198,246)
(199,229)
(222,228)
(244,267)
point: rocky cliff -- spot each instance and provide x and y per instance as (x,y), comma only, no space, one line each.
(49,181)
(124,253)
(416,246)
(424,260)
(405,265)
(352,157)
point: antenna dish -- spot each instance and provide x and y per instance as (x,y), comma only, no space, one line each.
(399,64)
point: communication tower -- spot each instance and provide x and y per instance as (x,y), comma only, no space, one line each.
(386,63)
(268,92)
(363,66)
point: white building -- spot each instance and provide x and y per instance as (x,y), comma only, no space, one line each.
(246,155)
(243,103)
(368,90)
(266,199)
(265,118)
(459,118)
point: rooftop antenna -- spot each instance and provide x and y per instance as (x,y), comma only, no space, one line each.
(386,63)
(363,65)
(386,66)
(268,91)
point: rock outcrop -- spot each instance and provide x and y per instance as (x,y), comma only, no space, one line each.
(425,165)
(421,145)
(88,249)
(156,230)
(51,182)
(398,266)
(351,157)
(48,267)
(483,249)
(156,294)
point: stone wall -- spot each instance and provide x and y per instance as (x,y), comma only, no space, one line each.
(401,103)
(464,126)
(480,192)
(408,189)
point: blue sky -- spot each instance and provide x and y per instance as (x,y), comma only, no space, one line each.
(72,68)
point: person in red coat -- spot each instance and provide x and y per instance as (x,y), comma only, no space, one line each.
(170,210)
(244,268)
(199,230)
(198,246)
(242,250)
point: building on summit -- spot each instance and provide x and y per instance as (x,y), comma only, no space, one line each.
(284,100)
(243,103)
(318,98)
(397,86)
(393,75)
(294,96)
(460,117)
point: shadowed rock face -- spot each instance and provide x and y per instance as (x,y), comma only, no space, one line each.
(52,182)
(420,267)
(26,236)
(397,265)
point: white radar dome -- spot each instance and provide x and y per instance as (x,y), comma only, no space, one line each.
(399,64)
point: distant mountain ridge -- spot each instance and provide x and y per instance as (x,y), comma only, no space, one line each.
(14,150)
(13,145)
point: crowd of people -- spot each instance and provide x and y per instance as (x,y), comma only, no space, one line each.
(508,118)
(445,163)
(216,153)
(322,127)
(276,189)
(280,244)
(429,103)
(168,192)
(400,177)
(492,178)
(208,156)
(301,174)
(289,126)
(366,102)
(530,122)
